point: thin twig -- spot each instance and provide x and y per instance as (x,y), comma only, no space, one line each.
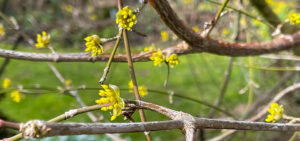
(215,20)
(244,13)
(224,87)
(106,69)
(6,60)
(7,124)
(168,75)
(132,74)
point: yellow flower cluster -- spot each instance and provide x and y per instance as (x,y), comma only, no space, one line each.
(157,57)
(111,94)
(142,89)
(42,40)
(164,35)
(2,30)
(172,60)
(6,83)
(93,44)
(276,113)
(126,18)
(294,18)
(16,96)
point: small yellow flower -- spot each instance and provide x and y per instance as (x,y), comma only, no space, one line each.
(93,44)
(150,48)
(42,40)
(16,96)
(226,31)
(276,113)
(164,35)
(143,91)
(294,18)
(130,86)
(126,18)
(157,58)
(172,60)
(6,83)
(195,28)
(2,30)
(111,94)
(68,82)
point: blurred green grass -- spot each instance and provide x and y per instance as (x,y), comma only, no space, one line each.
(199,76)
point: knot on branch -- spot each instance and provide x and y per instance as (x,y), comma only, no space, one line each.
(34,129)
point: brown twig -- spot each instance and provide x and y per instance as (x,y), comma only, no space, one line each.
(215,20)
(132,74)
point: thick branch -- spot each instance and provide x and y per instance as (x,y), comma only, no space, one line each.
(101,128)
(197,42)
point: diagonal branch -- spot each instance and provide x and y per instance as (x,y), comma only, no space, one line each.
(196,42)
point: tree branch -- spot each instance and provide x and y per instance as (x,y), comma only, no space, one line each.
(179,49)
(213,46)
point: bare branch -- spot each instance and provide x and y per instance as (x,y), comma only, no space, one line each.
(179,49)
(209,45)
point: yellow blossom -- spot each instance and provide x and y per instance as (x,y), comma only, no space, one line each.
(130,86)
(157,58)
(93,44)
(143,91)
(195,28)
(164,35)
(126,18)
(294,18)
(6,83)
(150,48)
(42,40)
(16,96)
(276,113)
(2,30)
(111,94)
(68,82)
(225,31)
(172,60)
